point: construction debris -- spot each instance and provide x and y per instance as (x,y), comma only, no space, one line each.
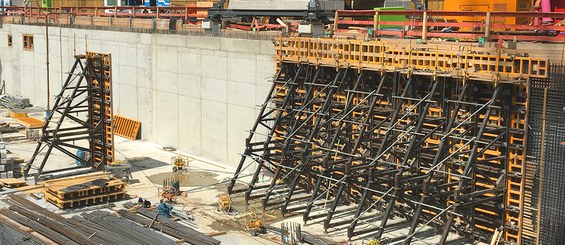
(12,103)
(25,120)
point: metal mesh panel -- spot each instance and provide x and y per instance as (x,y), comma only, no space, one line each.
(552,230)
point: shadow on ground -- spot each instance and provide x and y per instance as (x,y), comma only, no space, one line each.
(144,163)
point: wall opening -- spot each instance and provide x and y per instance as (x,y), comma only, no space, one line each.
(9,40)
(28,42)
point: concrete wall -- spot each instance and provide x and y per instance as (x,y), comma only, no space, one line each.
(195,93)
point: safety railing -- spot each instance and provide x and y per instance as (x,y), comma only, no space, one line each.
(135,12)
(451,24)
(471,25)
(380,55)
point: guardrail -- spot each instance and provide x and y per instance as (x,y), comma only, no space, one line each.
(135,12)
(380,56)
(428,24)
(365,23)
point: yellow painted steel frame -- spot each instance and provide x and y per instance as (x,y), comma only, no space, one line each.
(126,127)
(103,109)
(384,56)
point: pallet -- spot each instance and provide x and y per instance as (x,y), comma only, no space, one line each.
(55,191)
(13,182)
(78,179)
(111,186)
(84,201)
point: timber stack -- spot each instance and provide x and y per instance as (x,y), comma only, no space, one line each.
(84,191)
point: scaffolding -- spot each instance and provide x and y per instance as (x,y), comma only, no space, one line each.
(385,137)
(86,100)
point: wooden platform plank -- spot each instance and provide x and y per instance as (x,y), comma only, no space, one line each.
(83,178)
(111,186)
(30,122)
(13,182)
(84,201)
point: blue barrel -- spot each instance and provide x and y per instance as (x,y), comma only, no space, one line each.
(82,155)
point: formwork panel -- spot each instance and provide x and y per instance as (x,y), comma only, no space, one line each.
(412,137)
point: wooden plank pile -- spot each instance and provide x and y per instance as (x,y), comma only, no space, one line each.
(84,190)
(12,182)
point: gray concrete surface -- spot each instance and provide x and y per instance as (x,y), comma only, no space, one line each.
(147,160)
(198,94)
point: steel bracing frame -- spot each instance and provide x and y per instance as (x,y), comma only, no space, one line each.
(371,151)
(86,100)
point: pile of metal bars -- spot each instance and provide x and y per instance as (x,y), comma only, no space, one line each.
(98,227)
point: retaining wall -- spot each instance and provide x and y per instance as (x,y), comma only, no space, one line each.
(196,93)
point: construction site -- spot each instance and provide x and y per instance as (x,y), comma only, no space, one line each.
(282,122)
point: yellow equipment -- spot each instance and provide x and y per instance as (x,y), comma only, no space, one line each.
(224,202)
(375,241)
(168,196)
(488,6)
(171,189)
(254,224)
(179,163)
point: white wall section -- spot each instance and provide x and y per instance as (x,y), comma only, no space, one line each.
(199,94)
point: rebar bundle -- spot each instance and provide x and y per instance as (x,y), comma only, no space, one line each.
(98,227)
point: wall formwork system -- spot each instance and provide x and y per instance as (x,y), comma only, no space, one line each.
(383,136)
(86,100)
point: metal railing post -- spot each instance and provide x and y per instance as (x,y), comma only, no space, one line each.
(376,25)
(425,27)
(336,20)
(487,27)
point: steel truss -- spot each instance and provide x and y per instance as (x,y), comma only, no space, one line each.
(86,100)
(369,152)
